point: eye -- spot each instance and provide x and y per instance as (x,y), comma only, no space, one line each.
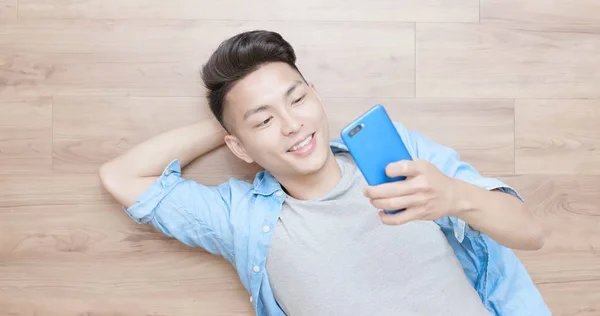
(299,99)
(265,122)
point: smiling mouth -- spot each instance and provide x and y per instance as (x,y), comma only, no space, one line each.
(303,143)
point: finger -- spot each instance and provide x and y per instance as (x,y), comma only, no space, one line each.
(397,202)
(390,189)
(406,168)
(401,217)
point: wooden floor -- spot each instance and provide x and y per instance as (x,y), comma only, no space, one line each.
(513,85)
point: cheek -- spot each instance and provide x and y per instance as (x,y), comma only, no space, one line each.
(315,112)
(264,145)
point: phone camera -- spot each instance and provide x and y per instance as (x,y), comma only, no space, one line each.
(356,130)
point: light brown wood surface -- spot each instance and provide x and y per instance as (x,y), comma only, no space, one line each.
(26,144)
(544,14)
(513,86)
(163,58)
(501,60)
(554,144)
(8,9)
(309,10)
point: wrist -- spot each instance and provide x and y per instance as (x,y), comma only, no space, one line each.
(465,197)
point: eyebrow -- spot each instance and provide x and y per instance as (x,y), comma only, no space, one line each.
(255,110)
(264,107)
(293,87)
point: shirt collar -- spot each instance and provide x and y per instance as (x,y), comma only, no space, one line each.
(266,184)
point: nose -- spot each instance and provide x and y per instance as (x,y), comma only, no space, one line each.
(290,124)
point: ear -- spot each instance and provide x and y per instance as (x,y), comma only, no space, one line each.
(237,148)
(312,86)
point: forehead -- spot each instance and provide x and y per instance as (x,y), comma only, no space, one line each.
(265,86)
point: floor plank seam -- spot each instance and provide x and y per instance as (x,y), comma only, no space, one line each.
(514,136)
(52,135)
(415,58)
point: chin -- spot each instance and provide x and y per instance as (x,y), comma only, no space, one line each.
(314,163)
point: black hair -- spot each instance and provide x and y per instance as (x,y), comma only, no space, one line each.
(237,57)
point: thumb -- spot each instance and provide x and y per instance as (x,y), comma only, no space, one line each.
(401,217)
(407,168)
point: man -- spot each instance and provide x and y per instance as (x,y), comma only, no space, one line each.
(307,237)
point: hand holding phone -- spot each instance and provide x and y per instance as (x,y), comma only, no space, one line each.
(374,142)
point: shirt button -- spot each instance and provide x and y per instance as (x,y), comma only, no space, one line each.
(256,269)
(266,229)
(279,193)
(168,172)
(250,299)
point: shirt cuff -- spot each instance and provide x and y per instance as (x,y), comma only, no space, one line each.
(142,211)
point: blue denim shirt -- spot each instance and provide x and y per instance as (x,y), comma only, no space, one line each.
(236,219)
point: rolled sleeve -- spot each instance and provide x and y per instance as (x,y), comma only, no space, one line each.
(195,214)
(143,210)
(448,161)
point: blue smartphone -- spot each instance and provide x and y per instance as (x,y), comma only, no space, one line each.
(374,142)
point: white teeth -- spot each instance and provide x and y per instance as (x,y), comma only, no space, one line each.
(303,143)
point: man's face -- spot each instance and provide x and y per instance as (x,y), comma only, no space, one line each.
(277,121)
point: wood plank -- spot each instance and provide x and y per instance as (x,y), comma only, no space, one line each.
(123,289)
(557,136)
(8,9)
(48,57)
(312,10)
(33,76)
(25,136)
(138,264)
(220,303)
(52,189)
(566,269)
(481,131)
(572,298)
(91,131)
(551,15)
(499,60)
(98,231)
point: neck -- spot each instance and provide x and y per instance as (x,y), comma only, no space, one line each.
(314,185)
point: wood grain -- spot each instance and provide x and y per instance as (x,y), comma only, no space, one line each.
(312,10)
(189,305)
(456,123)
(82,81)
(100,231)
(52,189)
(566,269)
(498,60)
(91,131)
(572,298)
(550,15)
(80,57)
(8,9)
(75,242)
(25,136)
(557,136)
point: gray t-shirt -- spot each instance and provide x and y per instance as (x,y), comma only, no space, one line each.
(333,256)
